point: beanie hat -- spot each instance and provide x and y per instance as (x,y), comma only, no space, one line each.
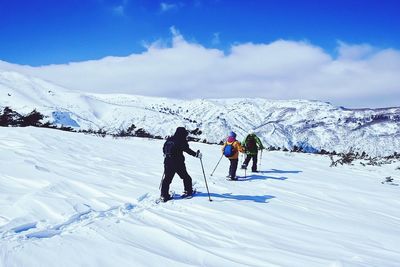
(232,134)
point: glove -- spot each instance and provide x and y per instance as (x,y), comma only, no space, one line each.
(198,154)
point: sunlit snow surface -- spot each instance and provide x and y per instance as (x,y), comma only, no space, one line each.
(69,199)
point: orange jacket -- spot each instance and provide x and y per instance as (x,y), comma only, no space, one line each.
(237,146)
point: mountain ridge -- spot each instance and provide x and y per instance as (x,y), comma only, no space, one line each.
(309,124)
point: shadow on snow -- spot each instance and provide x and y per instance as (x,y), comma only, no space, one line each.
(260,177)
(279,171)
(259,199)
(263,177)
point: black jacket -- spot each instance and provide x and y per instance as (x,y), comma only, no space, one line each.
(181,144)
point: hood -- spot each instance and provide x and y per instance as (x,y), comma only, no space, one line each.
(181,133)
(231,139)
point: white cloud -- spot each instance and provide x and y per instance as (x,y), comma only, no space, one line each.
(216,40)
(361,76)
(175,32)
(348,51)
(164,7)
(120,10)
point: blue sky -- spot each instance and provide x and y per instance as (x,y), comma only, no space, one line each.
(346,52)
(41,32)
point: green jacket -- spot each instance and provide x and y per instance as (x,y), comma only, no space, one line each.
(253,150)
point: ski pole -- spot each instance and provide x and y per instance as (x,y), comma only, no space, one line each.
(162,179)
(202,167)
(259,163)
(216,165)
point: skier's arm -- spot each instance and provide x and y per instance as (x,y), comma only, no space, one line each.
(260,145)
(239,147)
(187,149)
(244,142)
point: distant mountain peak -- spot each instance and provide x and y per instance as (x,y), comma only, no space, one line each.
(311,124)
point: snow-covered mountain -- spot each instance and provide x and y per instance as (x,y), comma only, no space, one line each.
(312,125)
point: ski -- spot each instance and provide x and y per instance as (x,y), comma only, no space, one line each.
(175,196)
(183,196)
(236,179)
(160,200)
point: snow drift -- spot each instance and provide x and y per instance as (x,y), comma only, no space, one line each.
(70,199)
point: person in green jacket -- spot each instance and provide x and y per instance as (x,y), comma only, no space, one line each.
(251,144)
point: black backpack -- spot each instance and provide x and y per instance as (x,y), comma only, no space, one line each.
(251,143)
(170,149)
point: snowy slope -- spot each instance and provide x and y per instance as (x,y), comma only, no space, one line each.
(311,125)
(70,199)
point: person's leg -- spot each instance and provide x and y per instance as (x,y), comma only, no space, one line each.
(254,167)
(230,169)
(233,168)
(246,161)
(169,173)
(187,180)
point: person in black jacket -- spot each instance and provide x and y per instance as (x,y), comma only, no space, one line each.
(174,162)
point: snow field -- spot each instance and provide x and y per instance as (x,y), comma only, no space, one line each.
(70,199)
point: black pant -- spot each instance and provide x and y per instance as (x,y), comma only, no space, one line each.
(233,167)
(170,168)
(247,160)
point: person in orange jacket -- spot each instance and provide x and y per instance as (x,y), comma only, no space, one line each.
(231,149)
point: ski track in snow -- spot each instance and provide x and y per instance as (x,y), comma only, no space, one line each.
(81,200)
